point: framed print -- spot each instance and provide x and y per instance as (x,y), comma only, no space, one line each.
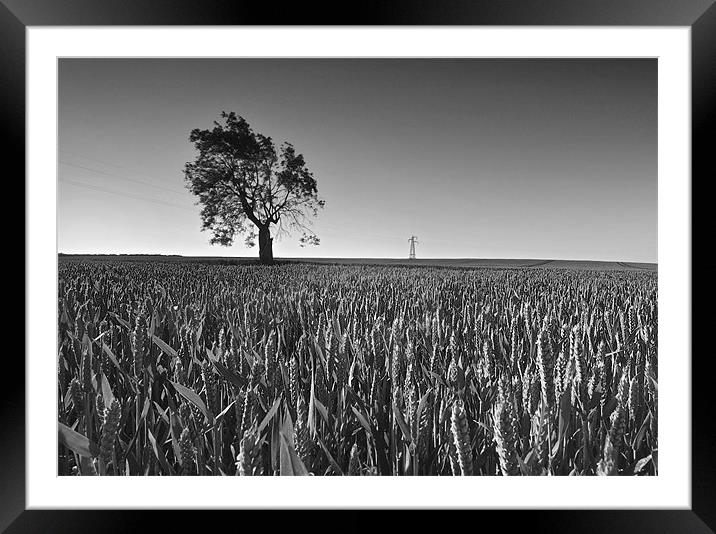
(361,260)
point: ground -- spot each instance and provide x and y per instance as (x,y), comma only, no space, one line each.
(432,262)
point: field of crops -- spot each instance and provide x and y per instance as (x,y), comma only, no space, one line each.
(193,369)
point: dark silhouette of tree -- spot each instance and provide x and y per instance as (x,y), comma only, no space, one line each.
(246,185)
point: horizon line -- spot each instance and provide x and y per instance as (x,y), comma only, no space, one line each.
(401,258)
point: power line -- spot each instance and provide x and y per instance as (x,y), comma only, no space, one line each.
(128,195)
(339,229)
(336,229)
(171,190)
(102,162)
(342,231)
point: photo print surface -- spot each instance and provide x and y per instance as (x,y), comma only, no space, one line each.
(345,266)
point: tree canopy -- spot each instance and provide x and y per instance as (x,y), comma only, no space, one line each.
(246,185)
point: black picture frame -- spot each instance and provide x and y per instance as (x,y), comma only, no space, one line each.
(699,15)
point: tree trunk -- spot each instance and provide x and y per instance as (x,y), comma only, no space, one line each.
(265,245)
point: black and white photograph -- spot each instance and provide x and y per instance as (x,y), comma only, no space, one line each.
(357,266)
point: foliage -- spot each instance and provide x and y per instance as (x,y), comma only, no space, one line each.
(245,184)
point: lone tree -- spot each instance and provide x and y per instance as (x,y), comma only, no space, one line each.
(245,185)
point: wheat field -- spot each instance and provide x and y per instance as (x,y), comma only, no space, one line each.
(301,369)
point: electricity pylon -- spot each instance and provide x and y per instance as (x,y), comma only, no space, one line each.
(413,240)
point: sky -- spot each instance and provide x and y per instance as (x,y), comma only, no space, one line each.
(479,158)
